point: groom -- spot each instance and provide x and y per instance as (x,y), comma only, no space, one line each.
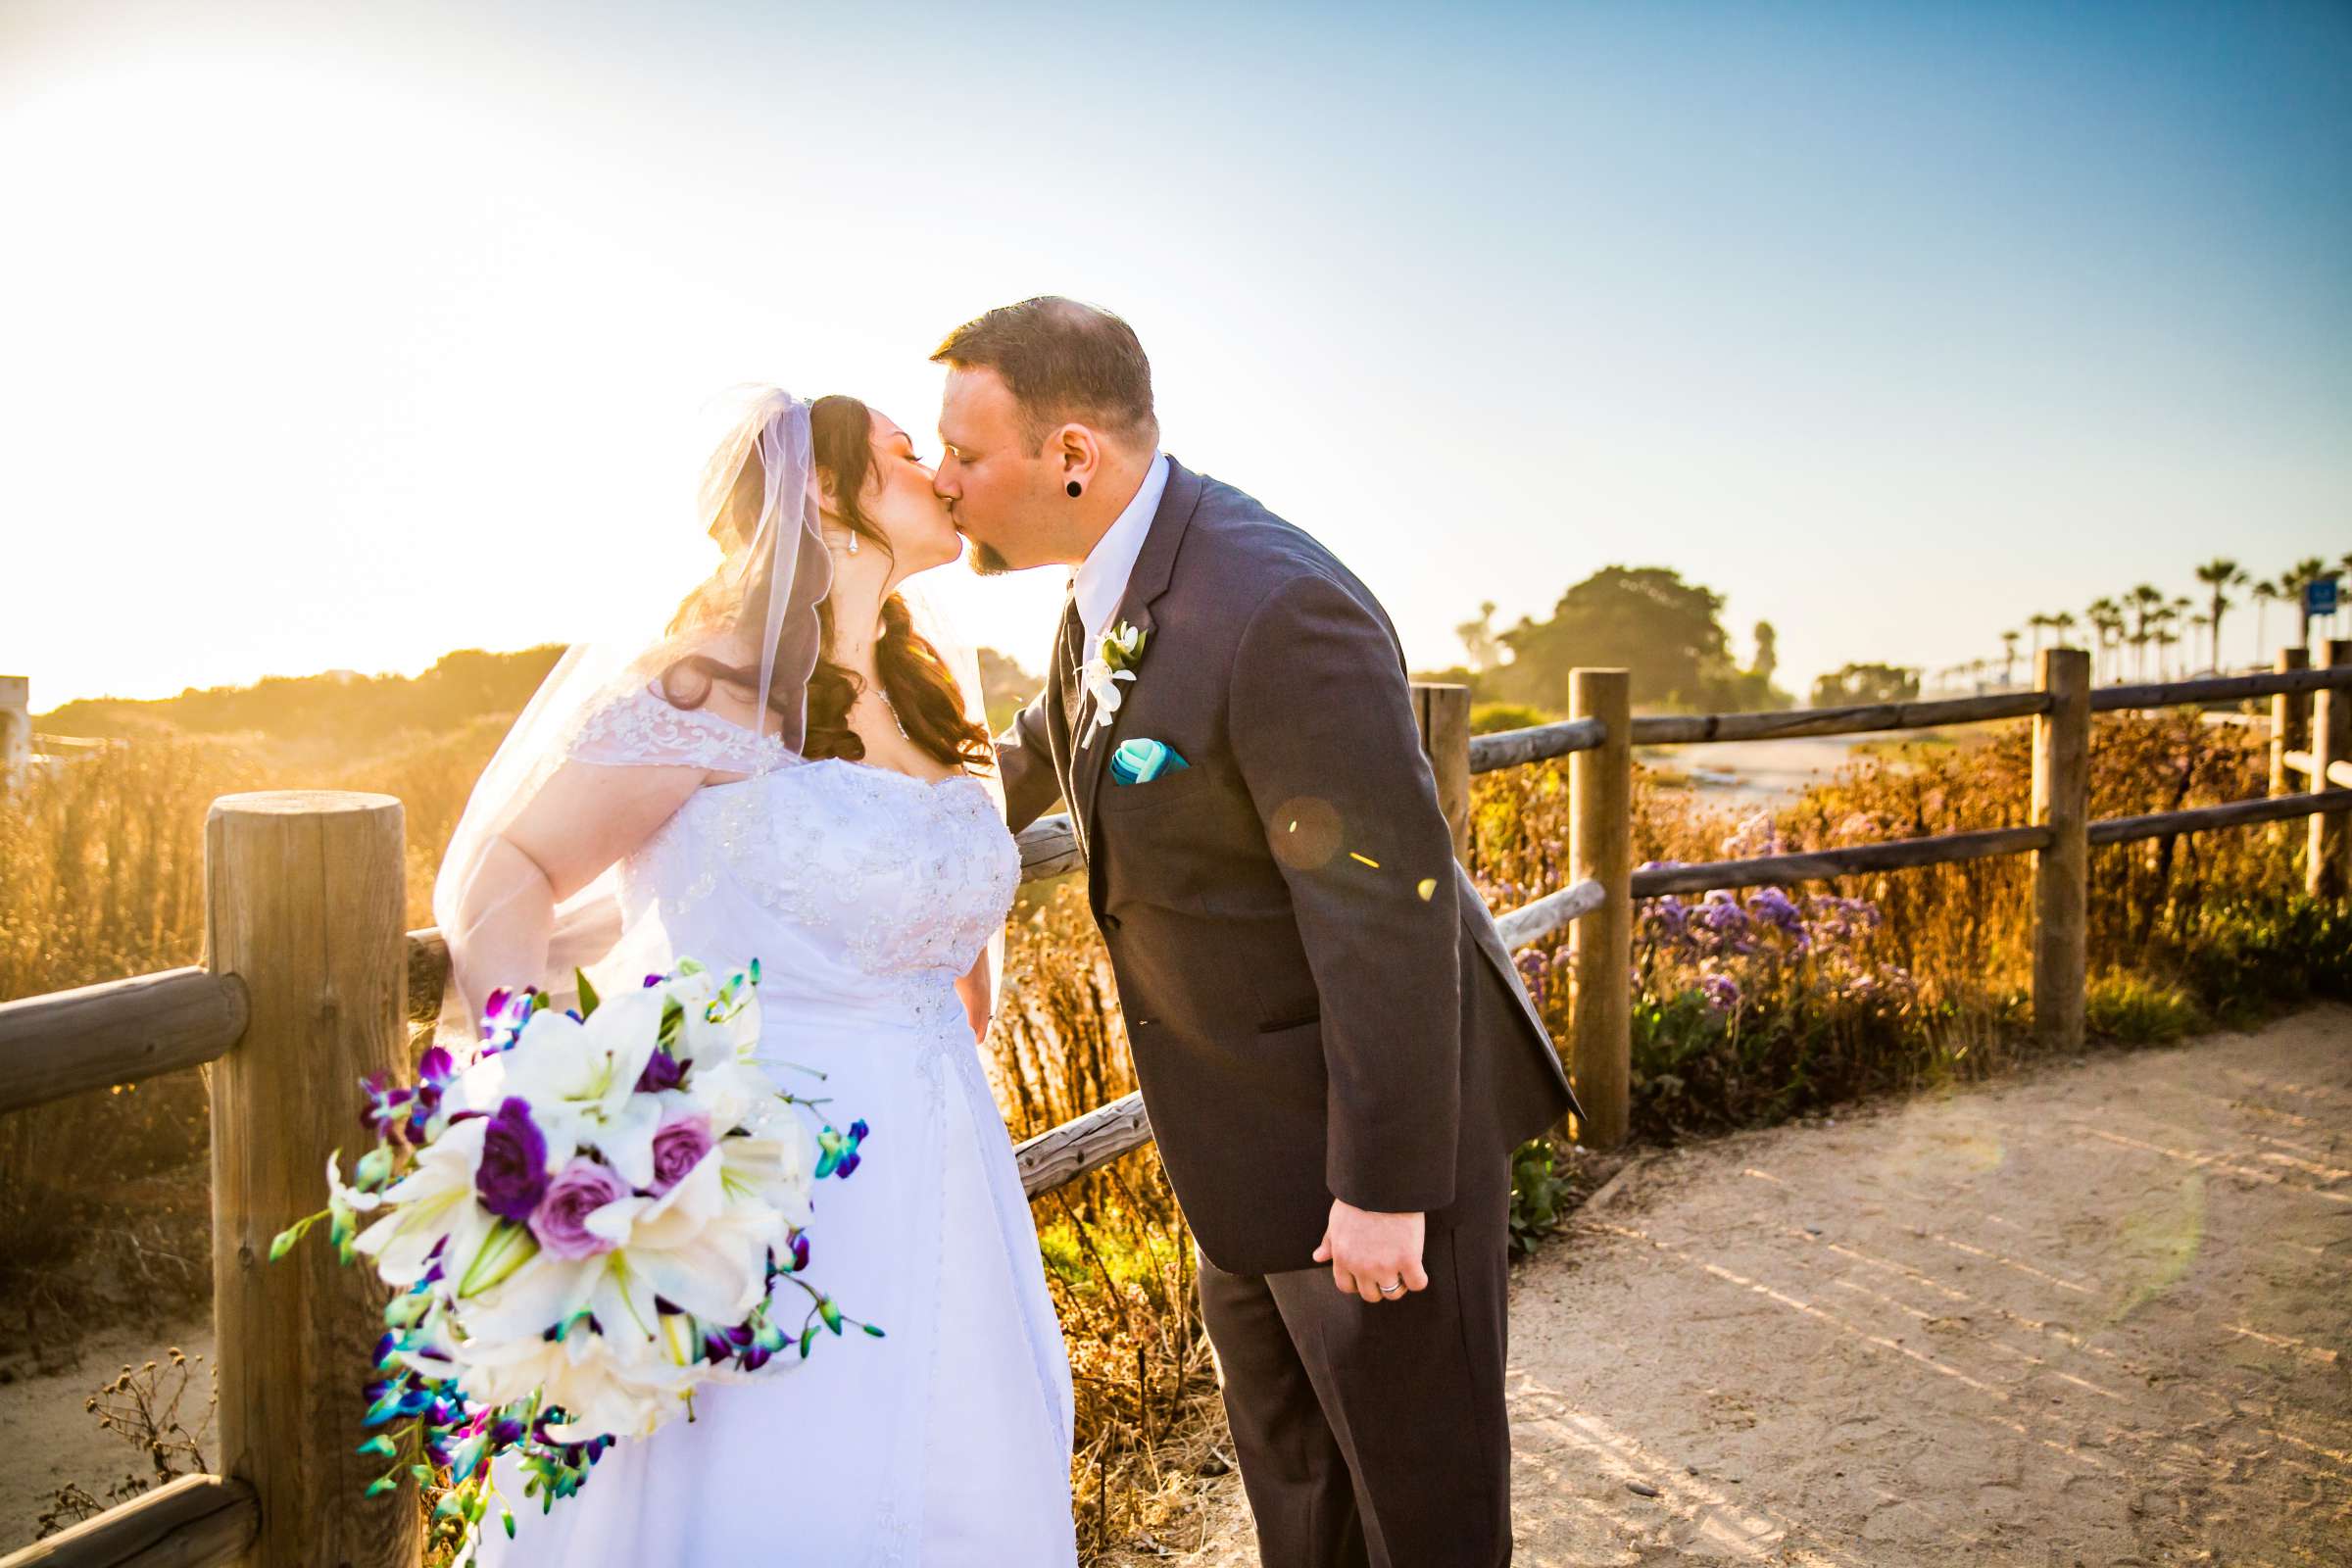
(1333,1047)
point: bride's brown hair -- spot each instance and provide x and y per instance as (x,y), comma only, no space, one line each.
(921,689)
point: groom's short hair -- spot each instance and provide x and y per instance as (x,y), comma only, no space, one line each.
(1064,362)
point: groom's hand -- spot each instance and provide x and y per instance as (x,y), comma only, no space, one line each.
(1367,1251)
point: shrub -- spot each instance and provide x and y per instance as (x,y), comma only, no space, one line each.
(1488,718)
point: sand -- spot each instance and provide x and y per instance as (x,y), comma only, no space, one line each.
(2095,1315)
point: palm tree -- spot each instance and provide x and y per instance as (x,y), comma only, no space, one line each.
(2219,575)
(2106,618)
(2298,577)
(2060,624)
(2166,637)
(2037,621)
(2264,591)
(2009,656)
(2145,601)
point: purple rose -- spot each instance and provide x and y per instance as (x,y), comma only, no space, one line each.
(513,1175)
(578,1191)
(679,1146)
(661,1071)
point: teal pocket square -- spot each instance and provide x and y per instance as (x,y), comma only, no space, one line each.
(1138,761)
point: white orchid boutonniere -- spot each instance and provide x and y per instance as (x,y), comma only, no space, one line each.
(1115,659)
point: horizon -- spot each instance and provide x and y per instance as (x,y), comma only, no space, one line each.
(1891,326)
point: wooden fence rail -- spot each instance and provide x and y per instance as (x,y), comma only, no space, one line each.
(310,977)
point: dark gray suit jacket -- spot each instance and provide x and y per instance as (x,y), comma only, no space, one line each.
(1318,1001)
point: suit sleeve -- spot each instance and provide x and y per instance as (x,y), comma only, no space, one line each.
(1025,764)
(1321,716)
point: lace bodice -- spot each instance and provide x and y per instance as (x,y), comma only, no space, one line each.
(863,893)
(876,873)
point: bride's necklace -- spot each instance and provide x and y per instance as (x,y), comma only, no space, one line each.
(891,709)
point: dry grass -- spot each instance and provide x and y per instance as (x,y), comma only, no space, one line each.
(101,876)
(1118,1256)
(1933,983)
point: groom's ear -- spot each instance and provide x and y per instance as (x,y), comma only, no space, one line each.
(1076,453)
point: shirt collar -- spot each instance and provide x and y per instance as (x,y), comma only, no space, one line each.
(1101,581)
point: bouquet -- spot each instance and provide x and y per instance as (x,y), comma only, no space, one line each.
(605,1211)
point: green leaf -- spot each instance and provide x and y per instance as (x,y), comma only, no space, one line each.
(588,997)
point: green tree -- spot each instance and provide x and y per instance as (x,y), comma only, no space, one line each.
(1667,633)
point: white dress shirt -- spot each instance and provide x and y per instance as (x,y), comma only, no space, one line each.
(1101,580)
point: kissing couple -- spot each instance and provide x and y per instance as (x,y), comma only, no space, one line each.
(1333,1047)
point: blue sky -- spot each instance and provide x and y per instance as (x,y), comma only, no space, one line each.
(342,336)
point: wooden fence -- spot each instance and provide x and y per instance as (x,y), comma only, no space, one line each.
(309,983)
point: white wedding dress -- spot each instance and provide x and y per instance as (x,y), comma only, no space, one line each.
(864,893)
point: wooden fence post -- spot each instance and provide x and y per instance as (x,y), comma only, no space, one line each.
(305,893)
(2326,875)
(1442,714)
(2061,872)
(1601,799)
(2290,723)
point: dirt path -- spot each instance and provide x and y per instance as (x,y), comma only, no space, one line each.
(47,1441)
(2099,1315)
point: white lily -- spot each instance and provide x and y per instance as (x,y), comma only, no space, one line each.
(774,1167)
(433,1202)
(731,1037)
(582,1081)
(691,1246)
(582,1372)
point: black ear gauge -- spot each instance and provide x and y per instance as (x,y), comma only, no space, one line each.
(1073,488)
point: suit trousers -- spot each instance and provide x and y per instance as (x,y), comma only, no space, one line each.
(1374,1436)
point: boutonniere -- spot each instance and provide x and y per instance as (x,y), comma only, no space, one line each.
(1115,659)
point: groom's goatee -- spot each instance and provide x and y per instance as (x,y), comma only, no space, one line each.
(986,563)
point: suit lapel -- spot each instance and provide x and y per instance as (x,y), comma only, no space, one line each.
(1153,567)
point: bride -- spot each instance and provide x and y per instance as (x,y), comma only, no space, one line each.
(790,772)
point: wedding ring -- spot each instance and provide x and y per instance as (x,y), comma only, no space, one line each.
(1392,1290)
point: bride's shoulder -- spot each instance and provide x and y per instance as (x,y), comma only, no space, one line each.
(659,722)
